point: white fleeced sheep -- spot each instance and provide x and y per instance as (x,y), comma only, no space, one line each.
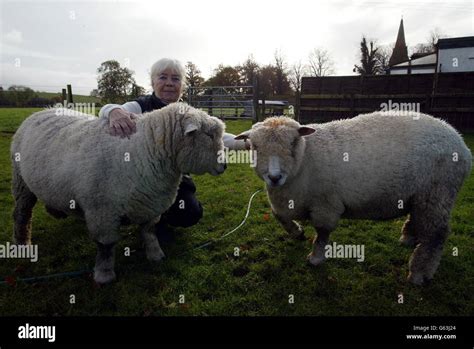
(375,166)
(69,161)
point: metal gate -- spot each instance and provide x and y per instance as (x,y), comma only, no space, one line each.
(225,102)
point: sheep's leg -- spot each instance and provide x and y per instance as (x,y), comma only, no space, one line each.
(104,263)
(104,231)
(427,255)
(408,237)
(431,223)
(154,253)
(317,256)
(25,200)
(55,213)
(294,229)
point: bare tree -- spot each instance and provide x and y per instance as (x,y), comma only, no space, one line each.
(297,71)
(320,62)
(431,41)
(281,71)
(421,48)
(383,55)
(434,36)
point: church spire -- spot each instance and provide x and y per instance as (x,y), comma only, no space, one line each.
(400,51)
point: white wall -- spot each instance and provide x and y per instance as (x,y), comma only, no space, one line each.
(464,56)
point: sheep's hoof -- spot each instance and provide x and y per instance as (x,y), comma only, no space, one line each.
(418,279)
(155,255)
(104,276)
(408,241)
(314,260)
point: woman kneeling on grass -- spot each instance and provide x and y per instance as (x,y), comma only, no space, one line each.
(168,82)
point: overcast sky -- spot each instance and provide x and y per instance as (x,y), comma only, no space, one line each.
(48,44)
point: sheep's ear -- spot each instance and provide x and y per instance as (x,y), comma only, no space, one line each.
(306,131)
(243,136)
(190,128)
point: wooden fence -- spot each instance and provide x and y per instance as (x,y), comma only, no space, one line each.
(449,96)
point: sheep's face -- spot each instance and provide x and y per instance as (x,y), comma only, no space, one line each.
(279,144)
(202,143)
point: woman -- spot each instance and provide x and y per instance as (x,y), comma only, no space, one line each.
(168,82)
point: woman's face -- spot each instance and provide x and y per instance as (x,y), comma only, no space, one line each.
(167,86)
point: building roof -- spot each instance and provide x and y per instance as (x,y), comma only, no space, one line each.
(465,41)
(400,51)
(420,54)
(274,103)
(428,59)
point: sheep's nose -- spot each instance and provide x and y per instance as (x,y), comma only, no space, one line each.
(275,179)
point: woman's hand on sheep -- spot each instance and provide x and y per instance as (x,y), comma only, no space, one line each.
(122,123)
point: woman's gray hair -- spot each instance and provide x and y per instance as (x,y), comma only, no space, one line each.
(167,63)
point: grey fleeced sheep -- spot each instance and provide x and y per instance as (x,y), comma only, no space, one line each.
(72,164)
(375,166)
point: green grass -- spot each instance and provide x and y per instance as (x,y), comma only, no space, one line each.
(214,281)
(76,98)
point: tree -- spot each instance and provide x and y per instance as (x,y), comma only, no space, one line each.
(267,80)
(370,65)
(115,84)
(421,48)
(193,75)
(19,95)
(136,91)
(434,36)
(94,93)
(248,70)
(193,78)
(224,76)
(282,85)
(430,45)
(297,71)
(320,63)
(383,55)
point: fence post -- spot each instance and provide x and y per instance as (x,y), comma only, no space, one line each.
(64,96)
(189,95)
(209,108)
(297,105)
(434,89)
(256,93)
(69,94)
(352,106)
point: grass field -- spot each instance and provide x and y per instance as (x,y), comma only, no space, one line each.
(76,98)
(213,281)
